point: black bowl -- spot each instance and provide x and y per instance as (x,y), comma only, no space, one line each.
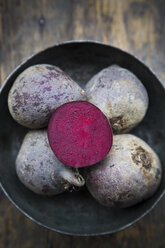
(78,213)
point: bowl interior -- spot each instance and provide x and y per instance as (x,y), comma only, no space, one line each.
(77,213)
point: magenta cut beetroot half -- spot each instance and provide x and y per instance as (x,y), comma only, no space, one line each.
(79,134)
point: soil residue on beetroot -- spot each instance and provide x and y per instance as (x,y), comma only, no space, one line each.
(142,158)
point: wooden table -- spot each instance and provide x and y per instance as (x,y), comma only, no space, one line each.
(26,27)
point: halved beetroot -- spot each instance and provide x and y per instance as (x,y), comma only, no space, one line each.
(79,134)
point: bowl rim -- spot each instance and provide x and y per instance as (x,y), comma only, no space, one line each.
(10,197)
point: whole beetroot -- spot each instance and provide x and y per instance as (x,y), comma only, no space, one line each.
(120,95)
(39,90)
(39,169)
(130,173)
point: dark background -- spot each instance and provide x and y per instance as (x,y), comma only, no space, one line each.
(26,27)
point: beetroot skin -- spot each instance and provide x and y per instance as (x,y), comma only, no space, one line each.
(40,171)
(129,174)
(120,95)
(79,134)
(37,91)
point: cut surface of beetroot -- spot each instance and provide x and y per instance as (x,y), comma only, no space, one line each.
(79,134)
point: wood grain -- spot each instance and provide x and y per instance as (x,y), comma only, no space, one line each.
(29,26)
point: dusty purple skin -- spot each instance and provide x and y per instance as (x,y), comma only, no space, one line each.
(129,174)
(120,95)
(39,90)
(39,170)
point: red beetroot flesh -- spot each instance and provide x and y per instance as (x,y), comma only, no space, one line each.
(79,134)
